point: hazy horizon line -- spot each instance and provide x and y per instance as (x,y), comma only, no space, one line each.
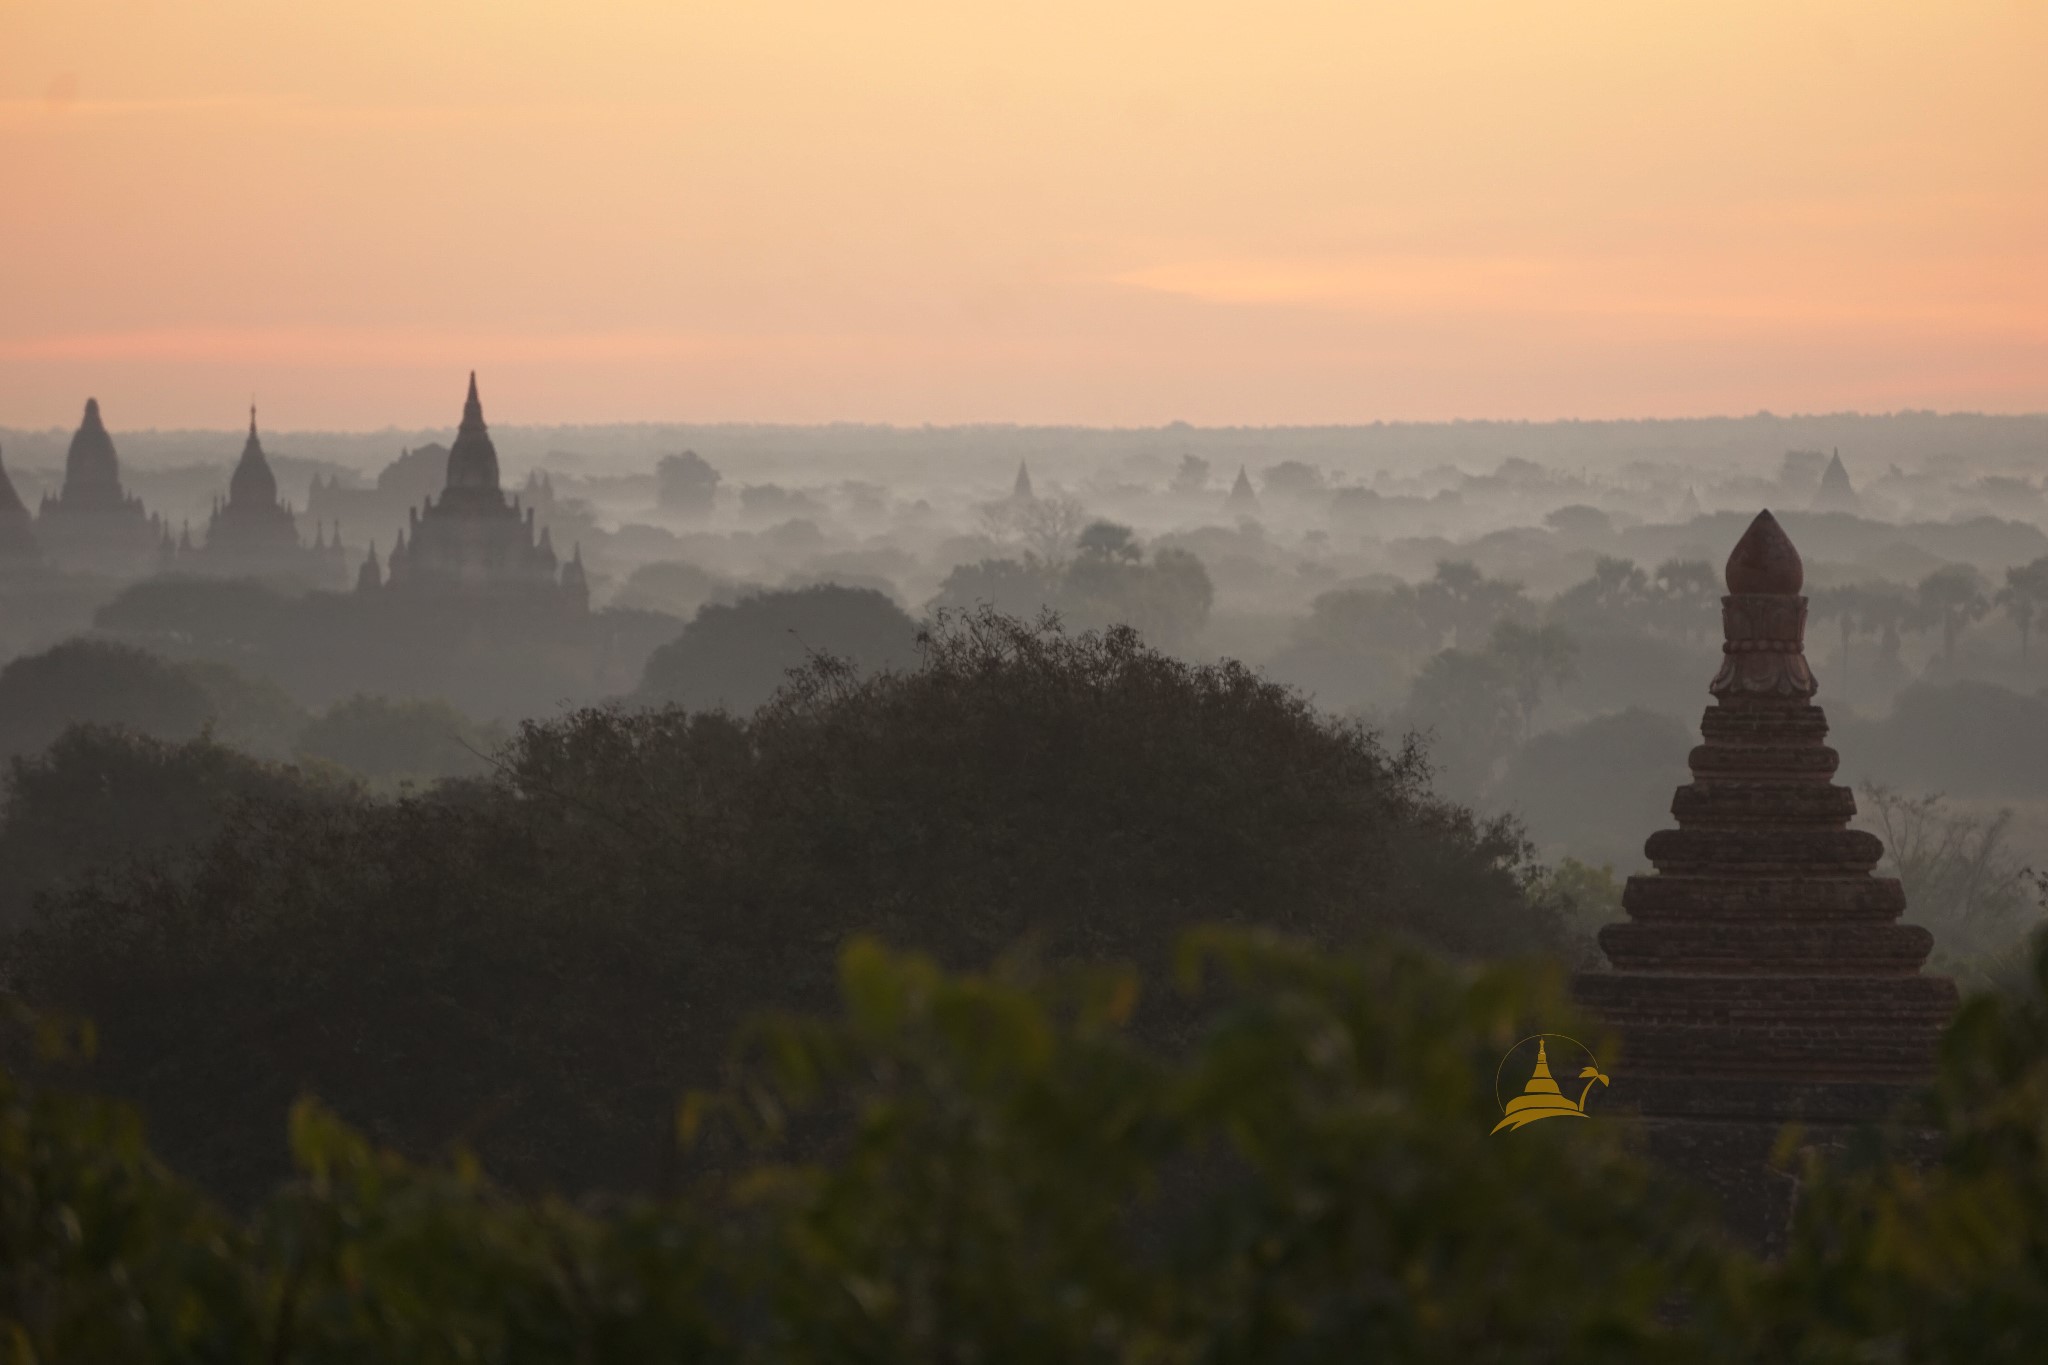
(847,424)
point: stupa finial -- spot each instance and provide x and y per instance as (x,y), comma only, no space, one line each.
(1763,621)
(1764,562)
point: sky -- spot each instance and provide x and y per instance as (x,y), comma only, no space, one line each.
(1114,212)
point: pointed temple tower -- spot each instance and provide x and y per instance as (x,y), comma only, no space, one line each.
(1836,493)
(1021,490)
(93,524)
(1762,978)
(1242,498)
(253,534)
(370,576)
(474,538)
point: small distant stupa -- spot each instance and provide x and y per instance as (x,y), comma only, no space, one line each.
(1762,977)
(1242,498)
(1836,493)
(1689,509)
(1021,490)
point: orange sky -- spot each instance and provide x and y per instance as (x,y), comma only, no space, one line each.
(1093,212)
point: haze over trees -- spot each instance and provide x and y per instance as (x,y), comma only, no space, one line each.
(487,877)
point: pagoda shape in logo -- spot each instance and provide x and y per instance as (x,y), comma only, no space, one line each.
(1761,977)
(1541,1098)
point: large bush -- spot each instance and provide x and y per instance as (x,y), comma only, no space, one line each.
(537,963)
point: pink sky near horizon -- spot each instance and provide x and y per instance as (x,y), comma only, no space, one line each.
(1090,213)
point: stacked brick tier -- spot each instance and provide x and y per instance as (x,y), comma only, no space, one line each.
(1762,975)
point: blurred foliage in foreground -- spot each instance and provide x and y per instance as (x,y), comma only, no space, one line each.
(1000,1172)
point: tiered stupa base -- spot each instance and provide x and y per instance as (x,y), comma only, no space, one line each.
(1762,978)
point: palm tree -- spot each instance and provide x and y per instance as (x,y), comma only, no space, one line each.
(1692,589)
(1954,596)
(1850,607)
(1591,1075)
(1533,658)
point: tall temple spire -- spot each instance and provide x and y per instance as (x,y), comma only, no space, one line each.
(252,485)
(370,577)
(473,460)
(1761,977)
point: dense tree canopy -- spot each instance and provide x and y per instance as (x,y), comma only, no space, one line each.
(93,682)
(538,962)
(100,804)
(396,741)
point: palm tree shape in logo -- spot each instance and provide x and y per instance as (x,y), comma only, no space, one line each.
(1541,1099)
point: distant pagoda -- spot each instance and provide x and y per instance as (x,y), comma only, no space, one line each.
(1836,493)
(93,524)
(1242,498)
(1761,977)
(253,533)
(474,538)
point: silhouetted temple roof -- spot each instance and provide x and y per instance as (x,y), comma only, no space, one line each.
(252,482)
(92,471)
(473,460)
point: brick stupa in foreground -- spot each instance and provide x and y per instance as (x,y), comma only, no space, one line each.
(1762,977)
